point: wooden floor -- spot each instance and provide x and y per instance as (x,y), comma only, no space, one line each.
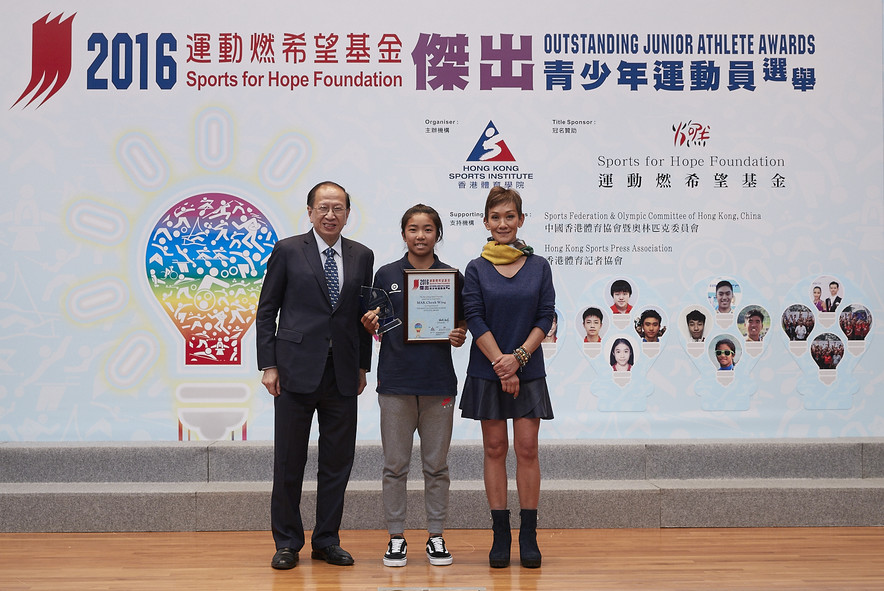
(719,559)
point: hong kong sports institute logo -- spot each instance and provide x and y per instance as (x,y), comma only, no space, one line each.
(491,147)
(491,163)
(50,58)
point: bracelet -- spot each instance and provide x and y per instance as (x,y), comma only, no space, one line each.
(522,356)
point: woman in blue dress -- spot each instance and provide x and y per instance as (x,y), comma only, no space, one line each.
(509,305)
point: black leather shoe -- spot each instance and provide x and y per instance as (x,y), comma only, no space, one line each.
(333,555)
(284,559)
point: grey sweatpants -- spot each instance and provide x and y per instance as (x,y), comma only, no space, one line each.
(432,417)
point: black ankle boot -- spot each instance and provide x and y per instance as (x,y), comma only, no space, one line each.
(499,557)
(529,553)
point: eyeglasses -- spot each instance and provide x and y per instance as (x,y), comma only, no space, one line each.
(724,352)
(337,210)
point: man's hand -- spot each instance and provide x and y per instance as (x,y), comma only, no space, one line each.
(362,382)
(270,379)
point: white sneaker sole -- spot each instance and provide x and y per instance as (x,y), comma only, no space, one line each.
(440,561)
(395,561)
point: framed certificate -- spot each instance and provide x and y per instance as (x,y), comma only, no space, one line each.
(431,303)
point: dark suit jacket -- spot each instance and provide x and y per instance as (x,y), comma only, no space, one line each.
(295,289)
(832,305)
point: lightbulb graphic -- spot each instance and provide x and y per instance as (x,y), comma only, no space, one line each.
(650,326)
(753,322)
(693,327)
(622,300)
(205,262)
(724,295)
(827,350)
(622,359)
(724,349)
(856,322)
(549,345)
(798,323)
(830,298)
(591,328)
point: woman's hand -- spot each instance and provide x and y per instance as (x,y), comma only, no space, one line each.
(370,320)
(511,385)
(506,366)
(457,337)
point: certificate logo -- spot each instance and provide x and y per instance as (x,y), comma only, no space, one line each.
(50,58)
(491,147)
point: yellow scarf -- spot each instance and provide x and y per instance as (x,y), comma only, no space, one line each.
(504,254)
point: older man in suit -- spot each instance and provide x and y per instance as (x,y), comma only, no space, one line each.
(314,354)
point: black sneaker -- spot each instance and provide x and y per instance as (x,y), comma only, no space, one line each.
(437,553)
(396,551)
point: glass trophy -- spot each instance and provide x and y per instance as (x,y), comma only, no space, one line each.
(375,298)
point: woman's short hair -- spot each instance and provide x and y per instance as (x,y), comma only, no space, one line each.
(499,195)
